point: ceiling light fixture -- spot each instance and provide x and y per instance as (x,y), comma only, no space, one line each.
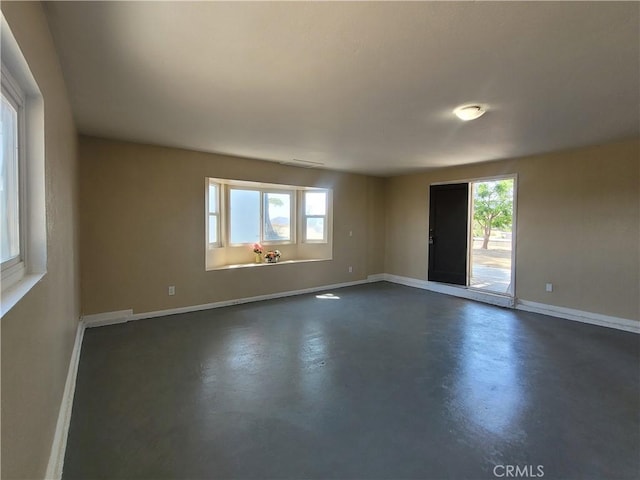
(470,112)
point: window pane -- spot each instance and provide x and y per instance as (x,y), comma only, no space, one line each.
(315,228)
(213,198)
(9,206)
(244,213)
(277,216)
(315,203)
(213,229)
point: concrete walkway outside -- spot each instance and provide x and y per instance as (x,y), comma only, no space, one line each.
(491,267)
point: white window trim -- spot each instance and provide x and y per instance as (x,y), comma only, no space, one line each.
(19,279)
(234,255)
(293,221)
(14,269)
(208,213)
(292,216)
(227,187)
(304,216)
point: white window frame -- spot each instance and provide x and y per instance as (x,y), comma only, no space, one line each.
(13,270)
(217,214)
(262,190)
(227,255)
(292,216)
(304,215)
(18,278)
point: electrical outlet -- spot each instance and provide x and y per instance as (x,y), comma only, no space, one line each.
(351,233)
(172,290)
(549,287)
(350,269)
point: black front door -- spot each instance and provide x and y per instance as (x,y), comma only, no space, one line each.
(448,224)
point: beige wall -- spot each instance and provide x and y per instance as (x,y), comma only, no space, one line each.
(142,228)
(577,226)
(39,332)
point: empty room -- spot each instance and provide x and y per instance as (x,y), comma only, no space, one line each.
(320,240)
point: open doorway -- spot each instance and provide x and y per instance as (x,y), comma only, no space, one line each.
(491,244)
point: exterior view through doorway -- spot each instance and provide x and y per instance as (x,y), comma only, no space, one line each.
(472,233)
(491,242)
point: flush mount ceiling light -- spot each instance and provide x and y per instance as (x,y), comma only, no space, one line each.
(470,112)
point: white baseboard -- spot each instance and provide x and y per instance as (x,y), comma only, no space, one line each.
(107,318)
(462,292)
(59,445)
(378,277)
(591,318)
(122,316)
(110,318)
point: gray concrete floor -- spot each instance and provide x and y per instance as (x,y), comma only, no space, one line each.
(374,381)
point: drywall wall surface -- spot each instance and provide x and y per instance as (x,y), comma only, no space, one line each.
(38,333)
(143,228)
(376,237)
(577,225)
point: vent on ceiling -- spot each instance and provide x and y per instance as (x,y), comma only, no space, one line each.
(302,163)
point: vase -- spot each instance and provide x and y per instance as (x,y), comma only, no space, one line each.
(258,258)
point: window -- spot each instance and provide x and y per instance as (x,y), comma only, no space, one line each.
(277,219)
(10,191)
(244,215)
(315,216)
(294,220)
(260,216)
(23,224)
(213,221)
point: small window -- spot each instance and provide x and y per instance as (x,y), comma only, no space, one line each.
(213,225)
(244,216)
(277,216)
(10,222)
(315,216)
(260,216)
(23,220)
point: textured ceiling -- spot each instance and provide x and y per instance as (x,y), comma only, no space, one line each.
(365,87)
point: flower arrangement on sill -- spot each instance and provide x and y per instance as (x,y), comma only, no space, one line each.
(257,251)
(272,256)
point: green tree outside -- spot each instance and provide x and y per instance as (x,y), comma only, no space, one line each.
(493,207)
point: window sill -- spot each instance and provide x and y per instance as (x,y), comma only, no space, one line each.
(265,264)
(14,294)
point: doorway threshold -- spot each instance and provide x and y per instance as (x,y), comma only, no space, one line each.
(494,298)
(497,296)
(501,300)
